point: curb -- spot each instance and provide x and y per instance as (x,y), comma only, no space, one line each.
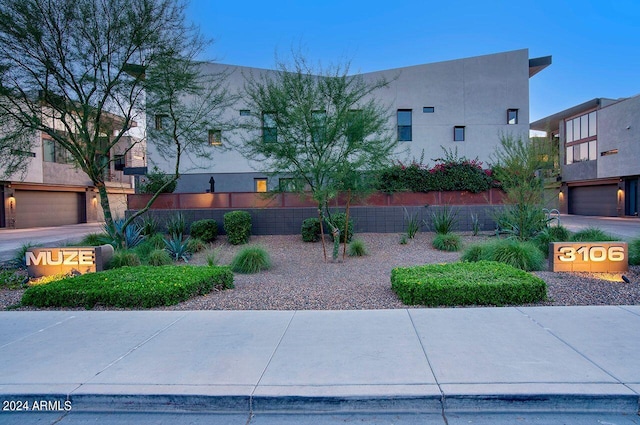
(624,404)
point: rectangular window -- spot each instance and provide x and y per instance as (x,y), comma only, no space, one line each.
(269,128)
(161,121)
(512,116)
(569,156)
(593,154)
(569,130)
(428,109)
(119,162)
(576,129)
(404,125)
(458,133)
(245,112)
(584,126)
(318,126)
(215,137)
(48,150)
(592,124)
(260,185)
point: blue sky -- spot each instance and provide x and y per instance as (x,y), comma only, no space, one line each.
(595,44)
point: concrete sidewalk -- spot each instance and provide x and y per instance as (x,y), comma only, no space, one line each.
(252,365)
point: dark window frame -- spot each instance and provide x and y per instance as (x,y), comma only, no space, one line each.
(428,109)
(405,132)
(269,134)
(516,112)
(213,140)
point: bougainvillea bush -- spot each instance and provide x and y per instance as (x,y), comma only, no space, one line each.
(449,173)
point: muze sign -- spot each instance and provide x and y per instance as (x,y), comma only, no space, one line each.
(49,261)
(588,257)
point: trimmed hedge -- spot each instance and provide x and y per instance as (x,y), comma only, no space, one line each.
(206,230)
(130,287)
(310,230)
(237,224)
(454,284)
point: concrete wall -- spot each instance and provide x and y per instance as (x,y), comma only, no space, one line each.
(473,92)
(619,128)
(287,221)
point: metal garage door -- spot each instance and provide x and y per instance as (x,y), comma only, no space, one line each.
(594,200)
(38,208)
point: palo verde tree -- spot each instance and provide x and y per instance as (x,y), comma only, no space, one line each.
(320,127)
(518,165)
(76,70)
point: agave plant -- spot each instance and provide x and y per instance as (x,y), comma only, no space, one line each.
(177,248)
(129,238)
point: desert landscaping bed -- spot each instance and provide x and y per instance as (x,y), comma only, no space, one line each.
(301,280)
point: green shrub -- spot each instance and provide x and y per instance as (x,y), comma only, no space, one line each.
(212,258)
(205,230)
(634,252)
(195,245)
(522,221)
(357,248)
(156,240)
(443,220)
(237,225)
(177,248)
(476,252)
(479,283)
(412,223)
(13,279)
(124,258)
(475,224)
(447,242)
(149,225)
(522,255)
(310,230)
(404,239)
(159,257)
(592,234)
(176,225)
(94,239)
(339,220)
(551,234)
(130,287)
(251,259)
(156,180)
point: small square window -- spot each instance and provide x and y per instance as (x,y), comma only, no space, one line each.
(428,109)
(512,116)
(260,185)
(161,121)
(215,138)
(245,112)
(458,133)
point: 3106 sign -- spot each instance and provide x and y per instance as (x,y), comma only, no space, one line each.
(588,257)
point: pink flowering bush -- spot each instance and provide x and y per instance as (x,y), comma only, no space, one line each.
(449,173)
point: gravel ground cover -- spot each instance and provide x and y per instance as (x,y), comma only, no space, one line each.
(301,280)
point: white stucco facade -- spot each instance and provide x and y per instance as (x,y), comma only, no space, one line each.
(474,93)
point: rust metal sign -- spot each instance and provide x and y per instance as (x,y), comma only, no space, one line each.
(588,257)
(50,261)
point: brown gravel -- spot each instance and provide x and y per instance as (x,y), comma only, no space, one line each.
(301,280)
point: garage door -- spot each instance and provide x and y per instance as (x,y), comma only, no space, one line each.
(594,200)
(38,208)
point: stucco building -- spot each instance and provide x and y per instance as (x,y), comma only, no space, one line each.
(599,146)
(55,192)
(463,104)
